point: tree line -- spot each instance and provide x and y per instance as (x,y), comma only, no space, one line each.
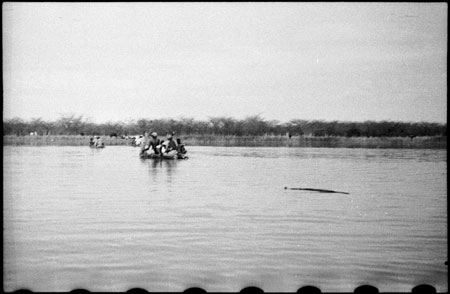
(252,125)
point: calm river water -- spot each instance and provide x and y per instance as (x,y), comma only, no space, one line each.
(105,220)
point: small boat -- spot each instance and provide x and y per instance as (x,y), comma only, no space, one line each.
(97,147)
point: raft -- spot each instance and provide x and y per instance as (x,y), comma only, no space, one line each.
(97,147)
(158,156)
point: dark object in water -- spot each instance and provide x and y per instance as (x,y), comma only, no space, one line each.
(316,190)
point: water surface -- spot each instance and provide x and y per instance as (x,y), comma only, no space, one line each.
(105,220)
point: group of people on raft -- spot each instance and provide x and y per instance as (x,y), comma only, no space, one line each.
(96,142)
(152,147)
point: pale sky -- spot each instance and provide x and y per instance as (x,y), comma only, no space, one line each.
(330,61)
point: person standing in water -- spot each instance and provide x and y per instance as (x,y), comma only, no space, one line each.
(144,146)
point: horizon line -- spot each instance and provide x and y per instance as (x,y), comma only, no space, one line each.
(128,120)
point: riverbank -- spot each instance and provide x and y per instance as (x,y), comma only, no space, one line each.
(433,142)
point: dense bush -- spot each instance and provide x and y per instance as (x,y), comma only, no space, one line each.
(250,126)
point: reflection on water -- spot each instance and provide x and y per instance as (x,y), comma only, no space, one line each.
(105,220)
(160,166)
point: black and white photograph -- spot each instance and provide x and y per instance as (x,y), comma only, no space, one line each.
(225,146)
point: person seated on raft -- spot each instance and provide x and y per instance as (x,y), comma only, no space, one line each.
(181,148)
(91,141)
(171,149)
(154,142)
(151,146)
